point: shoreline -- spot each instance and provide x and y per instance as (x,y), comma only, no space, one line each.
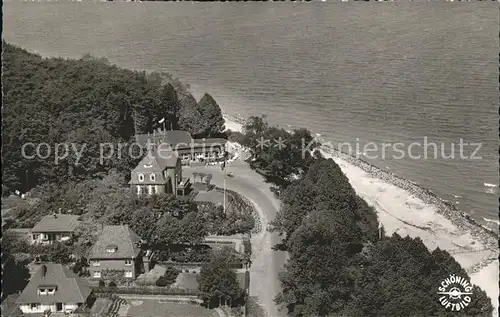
(406,208)
(459,218)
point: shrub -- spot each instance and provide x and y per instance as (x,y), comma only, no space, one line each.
(101,283)
(112,284)
(171,274)
(162,281)
(247,246)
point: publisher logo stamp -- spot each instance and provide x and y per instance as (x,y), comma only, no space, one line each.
(455,293)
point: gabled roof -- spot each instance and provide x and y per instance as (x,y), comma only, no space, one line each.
(70,287)
(154,163)
(121,238)
(56,223)
(157,161)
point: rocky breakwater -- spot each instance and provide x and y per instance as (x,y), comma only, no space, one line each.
(460,219)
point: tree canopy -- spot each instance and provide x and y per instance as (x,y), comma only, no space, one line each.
(218,281)
(338,265)
(76,106)
(280,155)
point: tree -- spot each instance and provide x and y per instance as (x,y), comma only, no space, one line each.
(15,275)
(193,229)
(281,156)
(173,205)
(316,280)
(170,107)
(144,223)
(86,102)
(208,178)
(218,281)
(167,231)
(85,236)
(169,277)
(400,277)
(298,201)
(211,116)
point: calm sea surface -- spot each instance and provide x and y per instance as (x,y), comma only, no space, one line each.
(373,72)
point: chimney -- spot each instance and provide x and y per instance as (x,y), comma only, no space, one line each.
(44,270)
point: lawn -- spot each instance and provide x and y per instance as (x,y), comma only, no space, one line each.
(157,308)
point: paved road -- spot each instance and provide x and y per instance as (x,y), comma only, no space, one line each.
(266,263)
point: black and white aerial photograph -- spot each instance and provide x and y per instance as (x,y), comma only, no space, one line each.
(322,158)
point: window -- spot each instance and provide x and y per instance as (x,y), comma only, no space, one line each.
(42,291)
(128,273)
(150,190)
(97,274)
(128,262)
(152,177)
(141,177)
(96,263)
(35,237)
(51,291)
(111,250)
(34,306)
(139,191)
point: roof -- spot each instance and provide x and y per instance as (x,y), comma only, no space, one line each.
(70,287)
(210,141)
(172,137)
(154,163)
(122,238)
(180,141)
(9,306)
(56,223)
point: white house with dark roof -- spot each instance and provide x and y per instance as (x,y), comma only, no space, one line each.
(56,227)
(53,288)
(160,171)
(117,248)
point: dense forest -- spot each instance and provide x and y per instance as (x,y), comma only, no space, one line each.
(341,263)
(84,103)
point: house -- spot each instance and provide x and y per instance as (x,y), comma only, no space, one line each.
(56,227)
(53,288)
(160,171)
(187,148)
(118,249)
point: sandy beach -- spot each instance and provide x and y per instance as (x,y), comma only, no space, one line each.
(404,208)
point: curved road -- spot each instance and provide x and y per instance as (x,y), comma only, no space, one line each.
(266,263)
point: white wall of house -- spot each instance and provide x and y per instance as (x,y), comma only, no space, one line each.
(47,238)
(27,309)
(160,189)
(40,308)
(69,306)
